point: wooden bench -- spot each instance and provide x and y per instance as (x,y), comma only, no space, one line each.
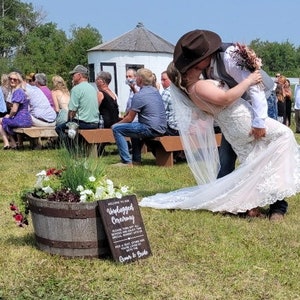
(97,136)
(37,133)
(166,145)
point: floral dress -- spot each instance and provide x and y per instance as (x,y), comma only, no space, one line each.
(22,118)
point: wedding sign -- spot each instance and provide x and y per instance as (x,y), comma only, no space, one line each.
(124,228)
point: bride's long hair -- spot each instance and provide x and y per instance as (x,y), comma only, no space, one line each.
(177,79)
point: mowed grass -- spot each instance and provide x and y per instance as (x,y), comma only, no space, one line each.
(195,254)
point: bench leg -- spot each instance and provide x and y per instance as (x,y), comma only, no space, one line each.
(92,150)
(163,158)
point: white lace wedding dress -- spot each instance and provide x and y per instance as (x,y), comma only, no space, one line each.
(269,169)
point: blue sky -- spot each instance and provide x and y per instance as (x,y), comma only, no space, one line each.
(233,20)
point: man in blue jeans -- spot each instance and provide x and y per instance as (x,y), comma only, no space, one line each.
(147,104)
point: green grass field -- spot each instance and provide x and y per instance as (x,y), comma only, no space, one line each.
(195,254)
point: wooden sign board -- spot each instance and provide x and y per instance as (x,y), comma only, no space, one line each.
(124,228)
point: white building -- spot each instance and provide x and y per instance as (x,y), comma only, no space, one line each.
(136,49)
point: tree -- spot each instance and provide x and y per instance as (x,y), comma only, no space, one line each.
(82,39)
(277,57)
(17,19)
(42,50)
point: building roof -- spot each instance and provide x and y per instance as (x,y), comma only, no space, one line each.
(137,40)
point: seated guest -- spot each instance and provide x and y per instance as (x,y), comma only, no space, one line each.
(30,78)
(41,82)
(172,128)
(107,100)
(149,107)
(3,107)
(83,105)
(133,88)
(6,92)
(42,114)
(19,115)
(61,99)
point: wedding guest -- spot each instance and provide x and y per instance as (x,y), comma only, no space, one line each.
(19,115)
(3,107)
(42,114)
(107,100)
(280,94)
(41,82)
(297,106)
(83,106)
(30,78)
(288,102)
(61,99)
(148,105)
(133,88)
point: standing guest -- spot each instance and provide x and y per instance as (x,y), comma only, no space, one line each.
(152,122)
(83,105)
(19,115)
(280,94)
(297,106)
(61,99)
(41,82)
(107,100)
(288,102)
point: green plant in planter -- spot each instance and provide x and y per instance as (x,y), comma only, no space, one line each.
(77,179)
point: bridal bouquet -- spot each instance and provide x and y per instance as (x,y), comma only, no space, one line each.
(246,58)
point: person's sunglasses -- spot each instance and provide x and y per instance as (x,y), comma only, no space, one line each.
(13,79)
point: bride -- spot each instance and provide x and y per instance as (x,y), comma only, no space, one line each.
(269,168)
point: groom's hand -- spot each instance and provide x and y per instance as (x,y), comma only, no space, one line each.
(258,133)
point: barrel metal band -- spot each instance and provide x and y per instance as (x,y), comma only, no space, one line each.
(72,245)
(65,213)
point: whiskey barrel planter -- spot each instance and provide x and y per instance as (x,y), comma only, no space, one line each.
(68,229)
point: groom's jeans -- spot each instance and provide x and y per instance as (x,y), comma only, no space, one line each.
(137,132)
(227,162)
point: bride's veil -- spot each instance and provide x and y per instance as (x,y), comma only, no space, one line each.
(196,130)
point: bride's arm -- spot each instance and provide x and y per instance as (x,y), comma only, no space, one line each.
(208,91)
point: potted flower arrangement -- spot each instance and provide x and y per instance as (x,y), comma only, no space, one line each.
(63,204)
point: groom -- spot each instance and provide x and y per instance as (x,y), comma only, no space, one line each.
(198,45)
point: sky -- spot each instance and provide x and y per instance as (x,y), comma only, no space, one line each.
(233,20)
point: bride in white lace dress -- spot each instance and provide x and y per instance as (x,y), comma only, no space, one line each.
(269,168)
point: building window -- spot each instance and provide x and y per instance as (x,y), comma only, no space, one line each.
(112,69)
(91,73)
(134,67)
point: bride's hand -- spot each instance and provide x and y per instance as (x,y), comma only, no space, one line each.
(255,77)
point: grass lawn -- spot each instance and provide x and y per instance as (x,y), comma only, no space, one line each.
(196,254)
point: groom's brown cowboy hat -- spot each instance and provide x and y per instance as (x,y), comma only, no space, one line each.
(194,47)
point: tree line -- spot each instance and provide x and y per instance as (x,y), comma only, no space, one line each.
(29,44)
